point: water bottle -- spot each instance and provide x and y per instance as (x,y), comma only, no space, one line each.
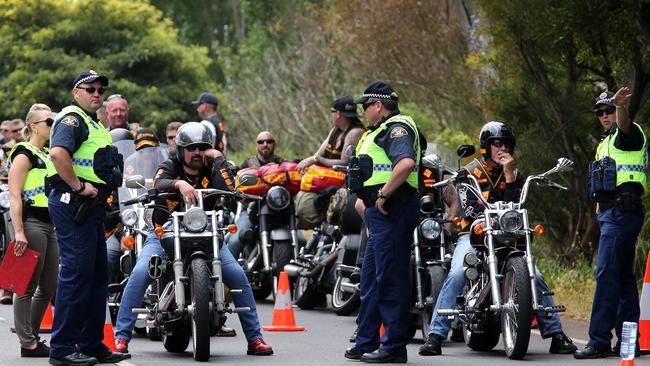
(628,340)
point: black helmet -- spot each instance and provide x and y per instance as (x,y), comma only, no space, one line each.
(193,133)
(121,134)
(495,130)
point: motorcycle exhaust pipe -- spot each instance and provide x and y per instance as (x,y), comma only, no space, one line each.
(351,288)
(293,270)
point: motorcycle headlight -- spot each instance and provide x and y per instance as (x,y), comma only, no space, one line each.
(129,217)
(278,198)
(4,199)
(430,229)
(510,221)
(195,220)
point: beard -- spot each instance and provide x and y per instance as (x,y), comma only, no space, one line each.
(195,163)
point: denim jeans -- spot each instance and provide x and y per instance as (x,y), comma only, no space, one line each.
(455,281)
(113,253)
(243,223)
(233,277)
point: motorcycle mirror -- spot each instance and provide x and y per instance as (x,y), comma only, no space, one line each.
(563,164)
(431,161)
(464,151)
(248,180)
(134,181)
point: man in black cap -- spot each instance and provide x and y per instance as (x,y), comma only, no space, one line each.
(394,145)
(621,156)
(86,168)
(207,107)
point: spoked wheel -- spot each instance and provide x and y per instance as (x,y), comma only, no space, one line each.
(516,314)
(200,290)
(344,303)
(436,278)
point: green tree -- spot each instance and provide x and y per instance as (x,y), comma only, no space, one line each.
(550,59)
(46,43)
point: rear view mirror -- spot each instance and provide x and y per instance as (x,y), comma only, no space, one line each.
(135,181)
(248,180)
(464,151)
(431,161)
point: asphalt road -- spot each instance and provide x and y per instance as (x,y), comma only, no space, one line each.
(322,343)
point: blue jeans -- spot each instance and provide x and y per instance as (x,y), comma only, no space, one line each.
(243,223)
(113,252)
(455,281)
(233,277)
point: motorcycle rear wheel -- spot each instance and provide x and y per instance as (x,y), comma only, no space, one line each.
(436,277)
(200,292)
(344,303)
(282,255)
(516,314)
(305,294)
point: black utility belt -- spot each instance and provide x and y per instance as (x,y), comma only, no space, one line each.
(401,195)
(626,201)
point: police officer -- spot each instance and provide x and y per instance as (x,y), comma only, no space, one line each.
(207,107)
(620,215)
(84,172)
(391,208)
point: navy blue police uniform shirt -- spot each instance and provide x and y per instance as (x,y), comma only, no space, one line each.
(397,141)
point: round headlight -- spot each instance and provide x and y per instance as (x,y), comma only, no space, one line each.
(4,199)
(278,198)
(510,221)
(195,220)
(430,229)
(129,217)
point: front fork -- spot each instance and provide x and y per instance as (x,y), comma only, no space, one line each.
(418,270)
(266,244)
(178,266)
(530,263)
(217,278)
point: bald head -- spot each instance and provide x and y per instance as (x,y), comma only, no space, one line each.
(265,145)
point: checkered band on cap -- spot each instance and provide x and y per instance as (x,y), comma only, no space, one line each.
(380,96)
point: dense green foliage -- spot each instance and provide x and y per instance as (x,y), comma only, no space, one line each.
(46,43)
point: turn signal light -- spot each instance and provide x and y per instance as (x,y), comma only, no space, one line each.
(232,228)
(479,229)
(128,241)
(539,229)
(159,231)
(456,221)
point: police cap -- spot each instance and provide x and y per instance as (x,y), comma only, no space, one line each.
(89,76)
(207,97)
(377,90)
(605,98)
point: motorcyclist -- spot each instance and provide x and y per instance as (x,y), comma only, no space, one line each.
(196,165)
(500,180)
(265,145)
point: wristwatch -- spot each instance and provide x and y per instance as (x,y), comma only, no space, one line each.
(380,194)
(81,188)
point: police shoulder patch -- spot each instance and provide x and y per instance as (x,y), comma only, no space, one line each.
(398,131)
(70,120)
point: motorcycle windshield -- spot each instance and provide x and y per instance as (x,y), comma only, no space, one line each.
(144,162)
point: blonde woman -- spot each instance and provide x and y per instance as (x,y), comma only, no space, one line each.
(34,230)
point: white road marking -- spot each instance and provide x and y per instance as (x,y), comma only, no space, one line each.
(575,340)
(125,363)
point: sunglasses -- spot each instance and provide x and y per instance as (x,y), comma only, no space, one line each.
(91,90)
(602,112)
(268,142)
(48,121)
(500,143)
(16,130)
(367,105)
(192,148)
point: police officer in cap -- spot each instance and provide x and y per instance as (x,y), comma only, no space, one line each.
(394,143)
(85,169)
(620,214)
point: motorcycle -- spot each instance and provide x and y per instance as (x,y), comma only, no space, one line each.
(272,242)
(192,302)
(431,253)
(500,296)
(315,268)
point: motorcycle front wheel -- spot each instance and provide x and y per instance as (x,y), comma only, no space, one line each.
(516,313)
(200,292)
(435,280)
(344,303)
(282,255)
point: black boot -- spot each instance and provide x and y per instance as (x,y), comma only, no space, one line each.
(75,359)
(432,347)
(562,345)
(590,352)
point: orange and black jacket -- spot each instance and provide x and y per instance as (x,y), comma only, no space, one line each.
(493,187)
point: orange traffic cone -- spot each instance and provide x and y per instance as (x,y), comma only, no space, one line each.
(46,323)
(629,362)
(644,319)
(283,319)
(109,337)
(534,324)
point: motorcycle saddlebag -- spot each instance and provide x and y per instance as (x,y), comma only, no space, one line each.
(319,177)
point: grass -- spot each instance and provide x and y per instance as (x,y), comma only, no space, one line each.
(573,286)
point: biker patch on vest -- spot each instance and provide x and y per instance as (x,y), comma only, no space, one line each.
(71,121)
(398,132)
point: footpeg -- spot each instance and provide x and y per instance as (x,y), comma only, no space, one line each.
(244,309)
(448,312)
(554,309)
(140,311)
(548,293)
(236,291)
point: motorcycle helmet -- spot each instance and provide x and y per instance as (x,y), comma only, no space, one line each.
(495,130)
(193,133)
(120,134)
